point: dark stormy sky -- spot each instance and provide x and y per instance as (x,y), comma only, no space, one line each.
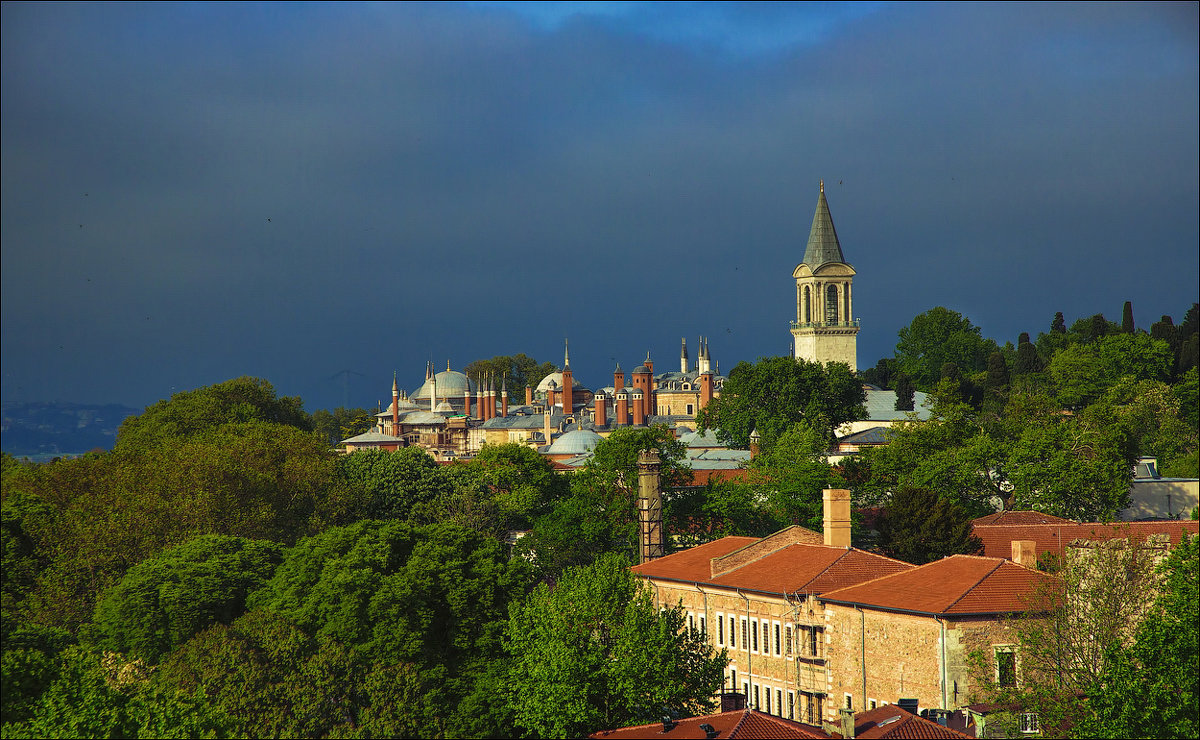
(195,192)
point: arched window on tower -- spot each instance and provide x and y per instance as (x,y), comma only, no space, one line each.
(831,305)
(807,307)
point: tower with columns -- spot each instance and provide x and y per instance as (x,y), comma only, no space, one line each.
(825,329)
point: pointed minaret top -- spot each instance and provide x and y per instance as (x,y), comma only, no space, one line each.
(823,245)
(447,366)
(395,384)
(566,354)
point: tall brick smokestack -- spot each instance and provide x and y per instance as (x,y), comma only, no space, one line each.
(651,537)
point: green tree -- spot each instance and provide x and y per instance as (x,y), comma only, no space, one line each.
(918,526)
(905,392)
(594,652)
(1082,372)
(1028,359)
(235,401)
(775,393)
(269,677)
(405,484)
(162,602)
(936,337)
(788,477)
(996,383)
(600,513)
(522,482)
(108,696)
(434,598)
(1059,324)
(1152,687)
(341,423)
(1127,318)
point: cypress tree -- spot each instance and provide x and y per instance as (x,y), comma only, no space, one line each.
(1127,318)
(1098,328)
(905,392)
(1059,325)
(997,373)
(1028,359)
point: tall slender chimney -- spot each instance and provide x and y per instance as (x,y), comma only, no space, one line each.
(837,516)
(467,398)
(504,397)
(618,378)
(528,395)
(568,401)
(395,406)
(683,358)
(650,522)
(622,414)
(639,407)
(601,416)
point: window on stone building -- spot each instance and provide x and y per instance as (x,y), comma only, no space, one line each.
(733,679)
(691,623)
(766,638)
(791,706)
(753,634)
(720,630)
(787,639)
(814,641)
(779,702)
(1029,723)
(1006,666)
(871,704)
(732,633)
(831,305)
(745,635)
(756,702)
(849,702)
(691,409)
(768,698)
(778,643)
(703,626)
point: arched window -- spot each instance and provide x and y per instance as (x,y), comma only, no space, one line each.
(807,307)
(831,305)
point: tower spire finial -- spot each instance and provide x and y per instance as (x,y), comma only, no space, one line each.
(566,354)
(822,186)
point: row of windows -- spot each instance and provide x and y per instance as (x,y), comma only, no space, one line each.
(801,706)
(767,637)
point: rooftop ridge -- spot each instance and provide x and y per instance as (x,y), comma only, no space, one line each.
(995,567)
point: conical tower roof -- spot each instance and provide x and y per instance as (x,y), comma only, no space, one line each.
(823,245)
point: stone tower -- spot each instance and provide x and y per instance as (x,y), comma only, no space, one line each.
(825,329)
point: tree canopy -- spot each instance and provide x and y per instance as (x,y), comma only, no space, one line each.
(595,653)
(777,392)
(937,337)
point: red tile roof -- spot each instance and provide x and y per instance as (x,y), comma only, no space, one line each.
(743,723)
(795,568)
(809,568)
(960,584)
(1021,517)
(998,538)
(694,564)
(894,723)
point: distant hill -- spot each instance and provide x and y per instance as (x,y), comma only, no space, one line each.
(44,430)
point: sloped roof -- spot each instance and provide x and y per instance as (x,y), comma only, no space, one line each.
(742,723)
(872,436)
(823,245)
(809,568)
(693,564)
(881,406)
(369,437)
(1020,517)
(998,538)
(959,584)
(893,723)
(795,568)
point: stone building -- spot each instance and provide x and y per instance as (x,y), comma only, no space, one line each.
(911,634)
(759,599)
(825,329)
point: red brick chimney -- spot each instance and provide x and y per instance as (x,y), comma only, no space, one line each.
(622,417)
(618,378)
(601,416)
(706,388)
(395,406)
(639,408)
(528,395)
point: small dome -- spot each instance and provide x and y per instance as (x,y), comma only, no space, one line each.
(577,442)
(556,378)
(641,369)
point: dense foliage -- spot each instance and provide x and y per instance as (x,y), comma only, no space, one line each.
(777,392)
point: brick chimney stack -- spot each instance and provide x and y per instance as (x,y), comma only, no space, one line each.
(650,523)
(601,416)
(639,408)
(622,416)
(395,406)
(837,516)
